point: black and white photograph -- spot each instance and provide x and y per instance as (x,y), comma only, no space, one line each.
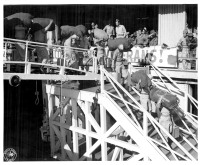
(99,82)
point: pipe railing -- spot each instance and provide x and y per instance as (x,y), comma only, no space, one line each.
(155,124)
(58,51)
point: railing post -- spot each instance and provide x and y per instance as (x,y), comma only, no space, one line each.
(88,129)
(52,135)
(5,51)
(102,78)
(26,57)
(75,134)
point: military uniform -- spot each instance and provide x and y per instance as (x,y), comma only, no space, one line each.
(153,41)
(117,62)
(140,77)
(142,40)
(120,31)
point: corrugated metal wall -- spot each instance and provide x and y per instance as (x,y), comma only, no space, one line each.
(171,23)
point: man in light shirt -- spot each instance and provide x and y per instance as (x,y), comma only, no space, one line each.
(120,30)
(109,29)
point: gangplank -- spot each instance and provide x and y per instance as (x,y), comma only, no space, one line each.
(107,122)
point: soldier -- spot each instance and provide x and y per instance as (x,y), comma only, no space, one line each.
(141,39)
(109,29)
(153,38)
(183,47)
(120,30)
(117,61)
(101,54)
(142,83)
(192,42)
(192,45)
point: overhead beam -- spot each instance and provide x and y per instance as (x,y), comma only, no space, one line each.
(88,76)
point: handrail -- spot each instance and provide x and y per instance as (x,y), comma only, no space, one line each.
(30,44)
(189,96)
(44,44)
(152,120)
(173,82)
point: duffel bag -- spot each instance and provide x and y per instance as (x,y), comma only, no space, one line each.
(41,23)
(169,100)
(100,34)
(82,28)
(67,31)
(113,44)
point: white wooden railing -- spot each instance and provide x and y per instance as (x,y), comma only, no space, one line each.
(148,118)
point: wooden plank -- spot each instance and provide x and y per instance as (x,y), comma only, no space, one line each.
(113,128)
(88,129)
(103,120)
(90,150)
(123,144)
(52,135)
(64,146)
(92,120)
(75,134)
(116,153)
(78,130)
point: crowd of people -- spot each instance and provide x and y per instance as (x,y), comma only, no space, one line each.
(142,37)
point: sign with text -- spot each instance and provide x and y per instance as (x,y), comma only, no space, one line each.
(161,57)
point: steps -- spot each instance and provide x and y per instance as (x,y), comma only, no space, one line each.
(154,134)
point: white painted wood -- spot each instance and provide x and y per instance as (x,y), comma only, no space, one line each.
(92,120)
(52,135)
(90,150)
(121,155)
(88,129)
(136,157)
(116,153)
(103,124)
(133,132)
(65,147)
(77,129)
(111,129)
(75,134)
(122,144)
